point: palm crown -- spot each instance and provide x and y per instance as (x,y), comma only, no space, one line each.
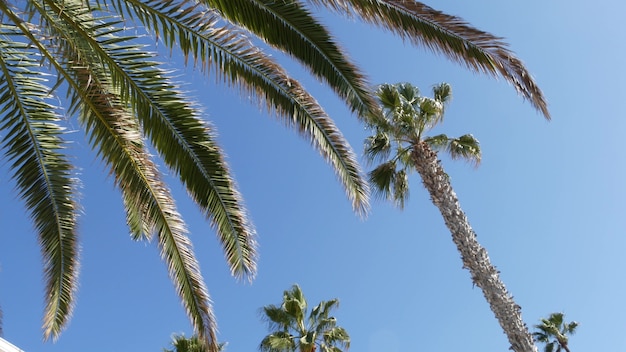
(128,104)
(295,331)
(405,117)
(553,332)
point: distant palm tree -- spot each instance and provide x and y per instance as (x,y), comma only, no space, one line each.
(400,144)
(128,105)
(554,331)
(294,331)
(190,344)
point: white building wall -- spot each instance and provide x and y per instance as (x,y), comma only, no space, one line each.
(6,346)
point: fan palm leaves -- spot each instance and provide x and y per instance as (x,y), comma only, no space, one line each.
(294,330)
(190,344)
(399,144)
(554,331)
(79,59)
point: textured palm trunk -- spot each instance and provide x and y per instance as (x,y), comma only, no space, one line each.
(474,256)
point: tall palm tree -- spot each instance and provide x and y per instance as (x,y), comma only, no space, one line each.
(554,331)
(294,331)
(128,104)
(400,144)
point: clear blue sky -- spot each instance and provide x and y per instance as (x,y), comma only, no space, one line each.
(547,203)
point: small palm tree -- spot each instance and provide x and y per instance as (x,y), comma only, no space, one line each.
(554,331)
(190,344)
(399,143)
(293,331)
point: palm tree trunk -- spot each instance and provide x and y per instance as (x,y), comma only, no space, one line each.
(474,256)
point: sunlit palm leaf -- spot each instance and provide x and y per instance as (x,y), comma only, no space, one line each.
(465,147)
(377,147)
(33,142)
(382,178)
(280,341)
(226,51)
(290,27)
(117,137)
(448,35)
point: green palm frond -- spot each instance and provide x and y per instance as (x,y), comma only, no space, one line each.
(442,93)
(465,147)
(449,35)
(33,142)
(401,188)
(115,134)
(336,336)
(227,51)
(290,27)
(389,97)
(382,178)
(377,147)
(279,341)
(438,142)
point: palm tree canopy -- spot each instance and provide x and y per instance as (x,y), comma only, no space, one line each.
(190,344)
(554,332)
(128,104)
(404,117)
(294,330)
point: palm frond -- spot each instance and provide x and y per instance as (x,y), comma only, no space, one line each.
(377,147)
(181,138)
(382,178)
(465,147)
(337,336)
(117,137)
(442,92)
(438,142)
(279,341)
(225,50)
(290,27)
(34,143)
(401,188)
(114,133)
(449,35)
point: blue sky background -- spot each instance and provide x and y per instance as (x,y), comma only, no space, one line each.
(547,203)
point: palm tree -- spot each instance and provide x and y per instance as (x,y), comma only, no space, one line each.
(190,344)
(553,332)
(293,331)
(128,104)
(400,144)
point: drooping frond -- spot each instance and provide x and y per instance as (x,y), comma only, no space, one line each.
(290,27)
(117,137)
(442,92)
(114,132)
(226,51)
(390,183)
(449,35)
(377,147)
(335,336)
(33,142)
(279,341)
(465,147)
